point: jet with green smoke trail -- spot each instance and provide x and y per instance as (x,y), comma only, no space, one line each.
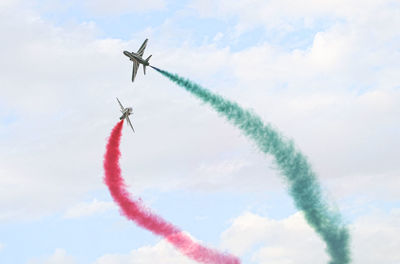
(302,182)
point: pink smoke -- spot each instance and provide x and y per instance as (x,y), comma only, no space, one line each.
(142,216)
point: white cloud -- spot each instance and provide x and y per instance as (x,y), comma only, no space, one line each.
(374,239)
(338,99)
(118,7)
(47,91)
(8,3)
(290,240)
(1,246)
(87,209)
(282,241)
(162,252)
(288,15)
(59,257)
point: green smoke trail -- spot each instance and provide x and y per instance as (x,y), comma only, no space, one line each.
(302,182)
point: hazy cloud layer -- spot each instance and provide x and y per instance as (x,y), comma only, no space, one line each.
(162,252)
(58,257)
(291,240)
(324,73)
(261,239)
(338,98)
(87,209)
(118,7)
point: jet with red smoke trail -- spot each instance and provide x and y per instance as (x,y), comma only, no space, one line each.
(126,112)
(134,210)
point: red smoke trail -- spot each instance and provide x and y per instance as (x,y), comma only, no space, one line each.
(142,216)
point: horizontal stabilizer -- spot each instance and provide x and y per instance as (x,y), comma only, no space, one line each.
(148,58)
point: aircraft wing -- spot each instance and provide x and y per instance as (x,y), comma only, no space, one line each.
(129,122)
(134,70)
(141,49)
(122,108)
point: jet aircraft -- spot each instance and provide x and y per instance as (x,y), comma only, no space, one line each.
(126,112)
(137,59)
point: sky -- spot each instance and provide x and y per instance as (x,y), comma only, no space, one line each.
(323,73)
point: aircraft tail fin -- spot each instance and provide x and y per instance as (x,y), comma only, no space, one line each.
(144,66)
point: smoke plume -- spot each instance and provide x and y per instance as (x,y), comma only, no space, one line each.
(293,165)
(134,210)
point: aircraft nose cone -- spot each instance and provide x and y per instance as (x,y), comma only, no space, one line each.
(126,52)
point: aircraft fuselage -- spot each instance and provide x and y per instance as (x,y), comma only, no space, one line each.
(135,57)
(126,112)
